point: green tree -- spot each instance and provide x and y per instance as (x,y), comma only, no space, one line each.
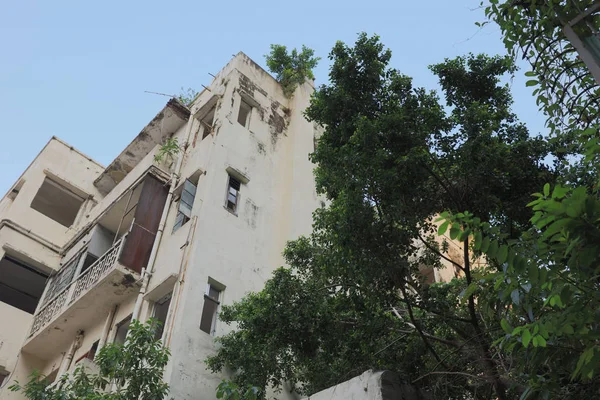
(291,69)
(133,369)
(391,158)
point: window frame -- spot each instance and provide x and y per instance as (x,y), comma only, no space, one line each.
(233,210)
(37,203)
(244,102)
(184,214)
(208,129)
(158,303)
(125,321)
(217,304)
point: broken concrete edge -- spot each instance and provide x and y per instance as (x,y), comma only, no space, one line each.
(117,165)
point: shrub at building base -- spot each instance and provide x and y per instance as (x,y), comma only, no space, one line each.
(130,371)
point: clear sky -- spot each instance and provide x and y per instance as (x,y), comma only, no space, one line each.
(78,69)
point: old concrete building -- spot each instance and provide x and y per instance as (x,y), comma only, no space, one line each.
(85,248)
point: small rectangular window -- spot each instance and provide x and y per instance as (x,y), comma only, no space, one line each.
(21,285)
(207,123)
(122,329)
(161,309)
(92,353)
(244,113)
(57,202)
(233,194)
(209,312)
(186,202)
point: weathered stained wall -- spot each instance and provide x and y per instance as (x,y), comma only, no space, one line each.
(62,161)
(238,251)
(370,385)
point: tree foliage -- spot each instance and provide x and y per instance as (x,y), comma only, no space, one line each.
(291,69)
(130,371)
(564,88)
(391,158)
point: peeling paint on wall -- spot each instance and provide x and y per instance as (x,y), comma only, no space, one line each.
(277,123)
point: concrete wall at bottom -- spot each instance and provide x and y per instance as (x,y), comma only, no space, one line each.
(371,385)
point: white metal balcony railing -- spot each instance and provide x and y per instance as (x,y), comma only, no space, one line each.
(77,287)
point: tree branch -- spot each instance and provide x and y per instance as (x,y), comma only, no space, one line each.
(451,373)
(430,247)
(418,328)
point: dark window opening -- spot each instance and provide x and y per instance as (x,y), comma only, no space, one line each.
(57,202)
(92,353)
(186,202)
(207,123)
(233,194)
(122,329)
(21,285)
(89,260)
(244,114)
(209,311)
(161,309)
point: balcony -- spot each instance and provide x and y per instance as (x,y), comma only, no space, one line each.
(82,303)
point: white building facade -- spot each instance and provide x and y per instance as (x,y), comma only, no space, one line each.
(84,249)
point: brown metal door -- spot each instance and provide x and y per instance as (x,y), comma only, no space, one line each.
(140,239)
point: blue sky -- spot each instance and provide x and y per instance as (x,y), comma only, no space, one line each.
(78,70)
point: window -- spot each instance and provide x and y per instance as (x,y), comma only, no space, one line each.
(233,194)
(89,260)
(207,123)
(244,113)
(92,353)
(209,312)
(122,328)
(57,202)
(161,309)
(21,285)
(186,202)
(62,279)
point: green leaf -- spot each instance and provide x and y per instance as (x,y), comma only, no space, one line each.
(559,192)
(555,228)
(532,82)
(584,359)
(568,329)
(532,271)
(505,326)
(485,244)
(502,254)
(547,189)
(443,227)
(454,231)
(478,239)
(492,249)
(526,338)
(470,290)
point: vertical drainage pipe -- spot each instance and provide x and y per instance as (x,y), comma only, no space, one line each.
(147,273)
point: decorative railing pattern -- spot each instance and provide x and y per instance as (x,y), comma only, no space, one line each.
(46,314)
(97,270)
(77,287)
